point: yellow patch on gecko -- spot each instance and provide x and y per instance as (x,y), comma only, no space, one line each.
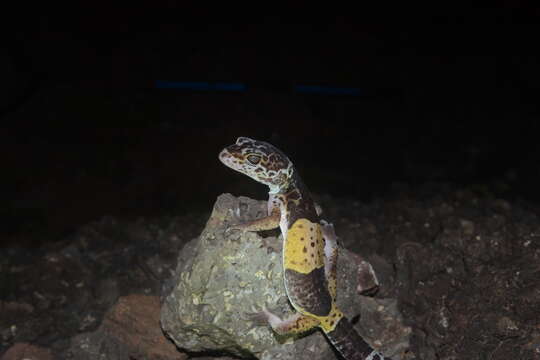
(326,323)
(304,247)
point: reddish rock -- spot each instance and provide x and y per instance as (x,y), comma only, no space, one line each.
(130,330)
(28,352)
(134,321)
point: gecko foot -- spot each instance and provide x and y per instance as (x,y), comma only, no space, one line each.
(234,228)
(258,318)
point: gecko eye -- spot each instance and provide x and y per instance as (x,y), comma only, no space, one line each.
(254,159)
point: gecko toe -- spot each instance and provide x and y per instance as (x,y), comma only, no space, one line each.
(236,227)
(258,318)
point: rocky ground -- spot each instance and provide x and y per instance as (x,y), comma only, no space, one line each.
(463,267)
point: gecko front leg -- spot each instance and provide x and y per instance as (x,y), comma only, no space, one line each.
(265,223)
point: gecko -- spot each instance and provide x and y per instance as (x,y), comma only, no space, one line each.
(309,248)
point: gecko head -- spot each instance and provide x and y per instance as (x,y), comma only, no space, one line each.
(260,161)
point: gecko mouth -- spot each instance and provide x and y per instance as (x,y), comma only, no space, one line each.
(227,159)
(224,156)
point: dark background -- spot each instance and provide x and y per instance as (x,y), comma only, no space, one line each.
(447,94)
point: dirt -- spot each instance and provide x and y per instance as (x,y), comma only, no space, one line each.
(465,268)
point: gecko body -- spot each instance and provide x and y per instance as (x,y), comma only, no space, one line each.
(309,249)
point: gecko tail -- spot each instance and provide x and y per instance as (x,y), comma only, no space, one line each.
(350,344)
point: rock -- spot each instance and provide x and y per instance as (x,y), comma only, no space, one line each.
(27,352)
(222,275)
(130,330)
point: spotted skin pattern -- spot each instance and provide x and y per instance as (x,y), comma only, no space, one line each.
(309,249)
(303,250)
